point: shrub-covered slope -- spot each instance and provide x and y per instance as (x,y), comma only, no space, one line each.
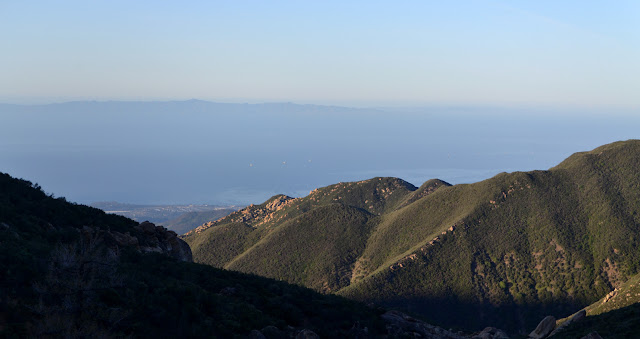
(524,245)
(316,249)
(314,241)
(504,252)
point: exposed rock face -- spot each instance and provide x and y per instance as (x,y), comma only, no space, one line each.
(610,295)
(125,239)
(180,249)
(149,238)
(251,215)
(162,240)
(592,335)
(273,332)
(544,328)
(491,333)
(279,202)
(78,269)
(402,325)
(307,334)
(575,318)
(578,316)
(147,227)
(255,334)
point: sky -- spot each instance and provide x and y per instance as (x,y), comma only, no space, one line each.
(580,54)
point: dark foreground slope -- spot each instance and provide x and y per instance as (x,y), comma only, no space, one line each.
(73,271)
(504,252)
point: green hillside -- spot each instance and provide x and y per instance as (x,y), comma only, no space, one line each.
(503,252)
(68,270)
(313,241)
(327,241)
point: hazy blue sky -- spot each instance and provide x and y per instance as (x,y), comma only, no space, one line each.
(548,53)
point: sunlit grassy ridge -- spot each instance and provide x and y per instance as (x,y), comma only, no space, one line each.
(314,241)
(504,252)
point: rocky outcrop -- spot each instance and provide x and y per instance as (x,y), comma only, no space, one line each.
(592,335)
(547,327)
(491,333)
(610,295)
(145,238)
(278,202)
(255,334)
(162,240)
(307,334)
(575,318)
(272,332)
(252,215)
(544,328)
(401,325)
(398,325)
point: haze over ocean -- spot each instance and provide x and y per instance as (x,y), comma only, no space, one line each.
(498,86)
(201,152)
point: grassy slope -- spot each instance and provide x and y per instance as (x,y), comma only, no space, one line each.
(625,295)
(406,229)
(316,249)
(313,241)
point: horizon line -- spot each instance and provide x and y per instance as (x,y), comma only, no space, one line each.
(383,106)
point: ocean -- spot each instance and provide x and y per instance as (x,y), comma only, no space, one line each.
(196,152)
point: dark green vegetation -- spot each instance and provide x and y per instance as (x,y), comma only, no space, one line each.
(503,252)
(65,273)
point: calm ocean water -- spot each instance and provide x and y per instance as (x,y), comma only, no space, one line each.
(199,152)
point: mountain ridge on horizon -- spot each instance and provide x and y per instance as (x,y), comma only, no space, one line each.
(188,102)
(458,108)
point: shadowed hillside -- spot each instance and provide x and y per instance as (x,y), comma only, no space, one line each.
(503,252)
(69,270)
